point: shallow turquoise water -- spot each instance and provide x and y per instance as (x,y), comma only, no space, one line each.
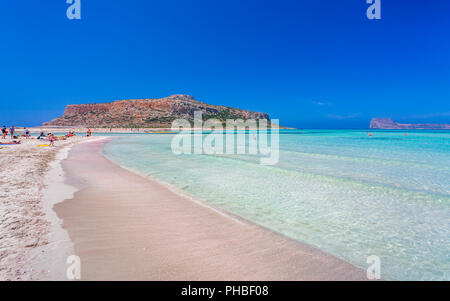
(342,191)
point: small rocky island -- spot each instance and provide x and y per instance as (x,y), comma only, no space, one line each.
(389,124)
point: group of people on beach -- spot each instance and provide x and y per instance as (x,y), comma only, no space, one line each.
(12,132)
(50,137)
(5,132)
(42,136)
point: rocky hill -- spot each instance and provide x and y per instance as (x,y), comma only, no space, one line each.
(389,124)
(140,113)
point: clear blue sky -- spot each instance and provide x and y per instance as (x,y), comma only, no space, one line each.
(312,64)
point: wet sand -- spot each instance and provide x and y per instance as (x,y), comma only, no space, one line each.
(128,227)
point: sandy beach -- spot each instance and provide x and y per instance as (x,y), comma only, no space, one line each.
(25,223)
(128,227)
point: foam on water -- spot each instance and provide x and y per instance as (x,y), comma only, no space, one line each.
(342,191)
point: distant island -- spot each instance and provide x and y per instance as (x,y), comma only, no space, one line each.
(389,124)
(146,113)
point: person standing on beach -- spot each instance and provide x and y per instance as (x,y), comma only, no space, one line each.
(12,130)
(89,133)
(52,139)
(27,133)
(4,132)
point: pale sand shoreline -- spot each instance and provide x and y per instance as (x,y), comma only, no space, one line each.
(80,129)
(128,227)
(27,226)
(83,129)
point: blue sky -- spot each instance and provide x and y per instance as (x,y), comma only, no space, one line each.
(312,64)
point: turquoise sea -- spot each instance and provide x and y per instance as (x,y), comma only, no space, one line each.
(340,190)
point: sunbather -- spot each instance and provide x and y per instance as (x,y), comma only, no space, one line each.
(10,143)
